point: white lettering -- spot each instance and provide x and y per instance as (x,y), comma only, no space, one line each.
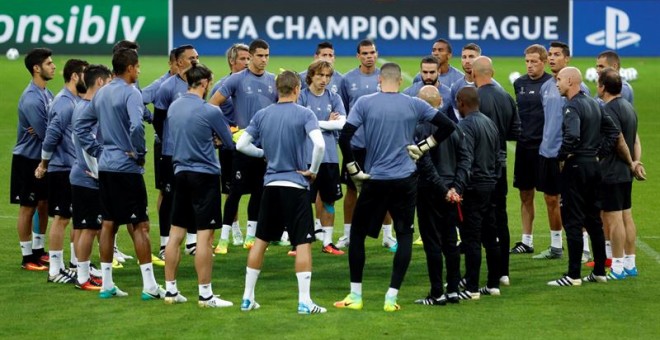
(23,23)
(550,28)
(132,33)
(338,28)
(212,27)
(373,28)
(315,29)
(114,22)
(248,29)
(358,25)
(9,28)
(510,28)
(297,27)
(185,27)
(410,28)
(270,27)
(490,28)
(526,28)
(471,27)
(428,23)
(383,32)
(73,23)
(230,24)
(52,26)
(89,20)
(453,35)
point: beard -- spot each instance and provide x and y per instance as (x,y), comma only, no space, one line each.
(81,87)
(44,75)
(430,81)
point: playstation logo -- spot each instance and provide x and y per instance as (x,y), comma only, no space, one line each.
(615,35)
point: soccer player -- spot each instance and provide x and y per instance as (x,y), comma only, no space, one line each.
(559,56)
(329,110)
(283,129)
(500,107)
(85,202)
(57,156)
(250,90)
(611,59)
(428,70)
(117,108)
(149,92)
(193,126)
(526,168)
(443,174)
(388,119)
(170,90)
(583,131)
(483,145)
(28,192)
(615,191)
(238,58)
(358,82)
(325,51)
(448,74)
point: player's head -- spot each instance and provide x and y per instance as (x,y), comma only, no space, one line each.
(185,56)
(608,59)
(198,76)
(559,55)
(325,51)
(172,62)
(428,70)
(96,76)
(40,63)
(131,45)
(367,53)
(609,80)
(536,57)
(238,57)
(390,73)
(259,55)
(126,64)
(482,70)
(467,100)
(468,54)
(319,74)
(74,70)
(442,51)
(568,81)
(287,83)
(431,95)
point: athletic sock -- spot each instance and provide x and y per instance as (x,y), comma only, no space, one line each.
(26,248)
(617,265)
(327,235)
(251,276)
(205,290)
(236,226)
(387,230)
(55,262)
(224,232)
(629,261)
(74,258)
(392,292)
(608,249)
(38,240)
(356,288)
(148,279)
(83,271)
(585,242)
(317,224)
(191,239)
(304,282)
(171,288)
(555,239)
(106,276)
(528,240)
(251,228)
(347,229)
(164,240)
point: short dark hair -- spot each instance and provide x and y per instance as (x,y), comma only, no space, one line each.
(429,59)
(73,66)
(565,50)
(446,42)
(94,72)
(286,82)
(35,57)
(472,47)
(132,45)
(179,51)
(322,45)
(610,79)
(258,43)
(173,54)
(611,57)
(196,74)
(315,68)
(390,71)
(469,96)
(124,58)
(365,43)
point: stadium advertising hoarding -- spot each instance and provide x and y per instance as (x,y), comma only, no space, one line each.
(625,26)
(83,27)
(399,27)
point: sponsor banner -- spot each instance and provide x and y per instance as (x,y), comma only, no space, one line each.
(399,27)
(628,27)
(83,27)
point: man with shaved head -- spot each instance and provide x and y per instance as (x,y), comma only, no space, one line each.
(587,133)
(443,174)
(500,107)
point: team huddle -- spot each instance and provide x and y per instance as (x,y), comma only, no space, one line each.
(437,149)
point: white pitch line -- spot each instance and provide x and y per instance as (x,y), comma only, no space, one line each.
(648,250)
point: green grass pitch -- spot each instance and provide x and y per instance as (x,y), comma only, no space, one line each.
(30,308)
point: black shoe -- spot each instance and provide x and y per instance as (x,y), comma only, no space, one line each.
(521,248)
(431,301)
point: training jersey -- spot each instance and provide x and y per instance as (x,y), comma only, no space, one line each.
(447,163)
(228,106)
(32,113)
(355,85)
(57,144)
(553,104)
(322,106)
(530,109)
(283,129)
(445,93)
(498,105)
(193,124)
(389,121)
(447,79)
(149,92)
(457,86)
(334,86)
(482,144)
(78,175)
(614,169)
(117,108)
(249,93)
(171,89)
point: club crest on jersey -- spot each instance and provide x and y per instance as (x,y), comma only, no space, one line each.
(354,87)
(248,90)
(270,89)
(329,108)
(333,88)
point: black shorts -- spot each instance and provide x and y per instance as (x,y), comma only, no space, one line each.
(158,148)
(59,194)
(26,189)
(123,197)
(285,207)
(549,176)
(248,174)
(226,158)
(397,196)
(197,203)
(526,168)
(359,155)
(615,196)
(166,175)
(86,208)
(327,184)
